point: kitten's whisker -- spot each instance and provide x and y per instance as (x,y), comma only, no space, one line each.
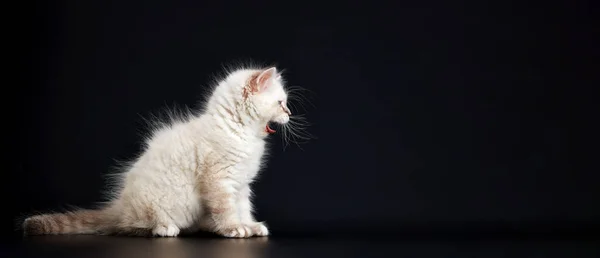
(299,88)
(296,133)
(301,135)
(303,98)
(300,99)
(292,103)
(293,107)
(295,93)
(292,137)
(301,124)
(299,117)
(285,136)
(300,105)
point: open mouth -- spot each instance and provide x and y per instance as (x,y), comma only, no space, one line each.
(269,130)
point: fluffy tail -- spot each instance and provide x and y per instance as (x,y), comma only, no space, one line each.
(74,222)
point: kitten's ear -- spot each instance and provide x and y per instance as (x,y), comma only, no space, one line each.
(263,79)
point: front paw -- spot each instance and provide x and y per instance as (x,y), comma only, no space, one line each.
(244,230)
(259,229)
(236,231)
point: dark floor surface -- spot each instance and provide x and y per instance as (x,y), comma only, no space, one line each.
(306,246)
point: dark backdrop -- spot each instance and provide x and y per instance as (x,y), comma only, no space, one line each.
(428,114)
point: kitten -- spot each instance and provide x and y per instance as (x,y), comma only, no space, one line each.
(194,174)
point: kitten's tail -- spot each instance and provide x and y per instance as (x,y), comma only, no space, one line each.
(73,222)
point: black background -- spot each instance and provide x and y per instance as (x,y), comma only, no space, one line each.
(429,115)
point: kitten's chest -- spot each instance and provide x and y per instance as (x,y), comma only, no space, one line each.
(249,166)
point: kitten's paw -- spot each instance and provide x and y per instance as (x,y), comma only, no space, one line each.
(259,229)
(239,231)
(166,231)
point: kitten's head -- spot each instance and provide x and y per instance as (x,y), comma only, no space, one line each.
(265,92)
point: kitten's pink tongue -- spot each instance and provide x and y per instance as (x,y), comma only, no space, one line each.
(269,130)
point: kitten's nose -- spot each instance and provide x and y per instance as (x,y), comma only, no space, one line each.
(286,109)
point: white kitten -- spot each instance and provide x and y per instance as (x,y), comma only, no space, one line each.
(194,174)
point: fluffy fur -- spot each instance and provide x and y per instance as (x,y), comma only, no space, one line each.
(195,173)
